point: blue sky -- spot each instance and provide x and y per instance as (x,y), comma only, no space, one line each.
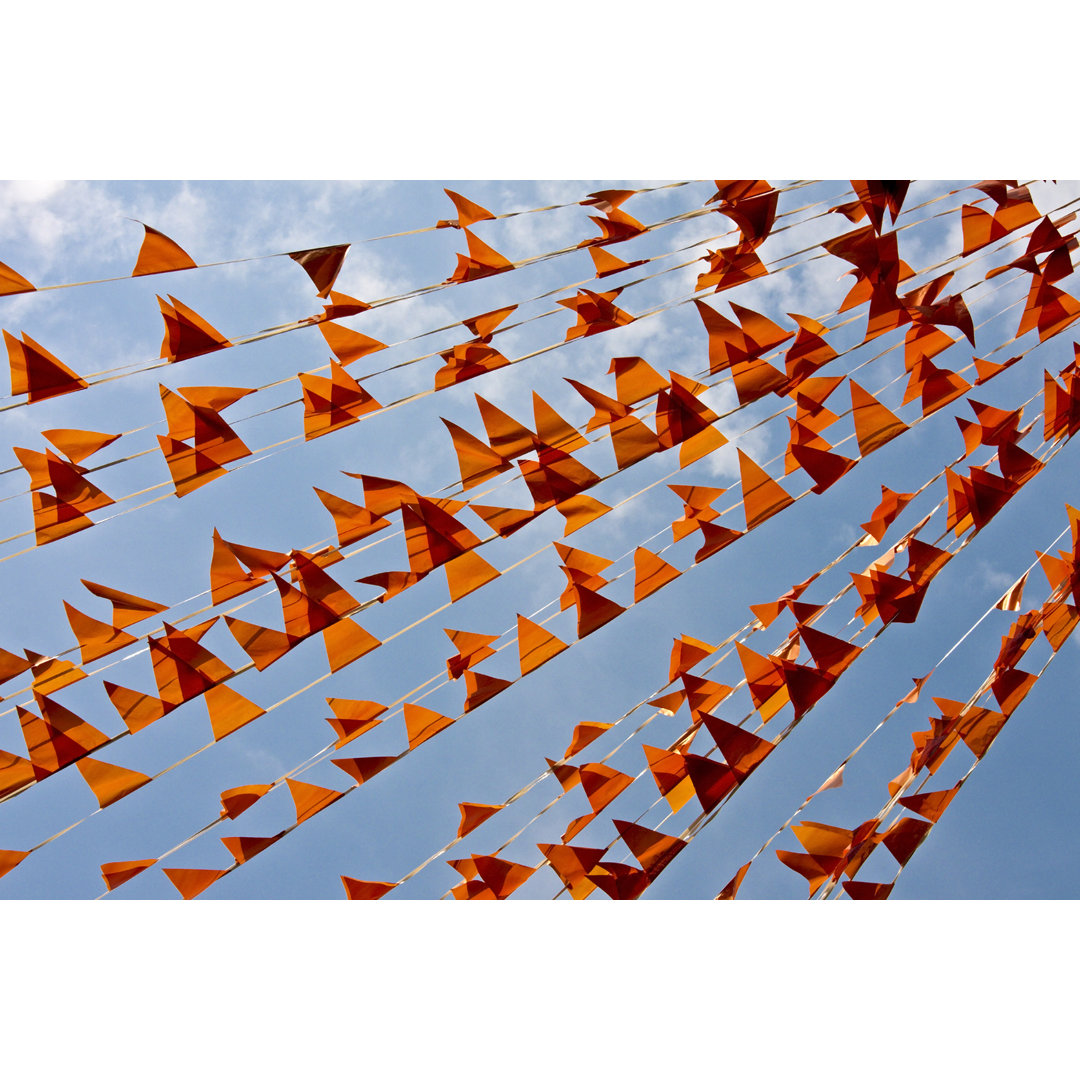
(1005,836)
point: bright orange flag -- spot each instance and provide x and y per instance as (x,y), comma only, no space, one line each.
(186,333)
(229,710)
(874,424)
(473,815)
(96,639)
(12,283)
(650,573)
(236,800)
(762,496)
(310,799)
(536,645)
(159,254)
(421,724)
(189,883)
(109,783)
(36,372)
(469,213)
(114,874)
(355,889)
(653,850)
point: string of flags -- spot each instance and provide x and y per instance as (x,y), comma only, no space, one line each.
(735,445)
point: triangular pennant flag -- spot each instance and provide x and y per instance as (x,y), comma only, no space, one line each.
(650,573)
(930,804)
(12,283)
(189,883)
(109,783)
(355,889)
(362,769)
(536,645)
(762,496)
(473,815)
(114,874)
(229,711)
(322,265)
(480,688)
(352,718)
(421,724)
(159,254)
(874,424)
(242,848)
(236,800)
(653,850)
(310,799)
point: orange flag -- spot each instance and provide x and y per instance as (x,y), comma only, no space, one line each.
(482,261)
(596,312)
(348,345)
(421,724)
(584,734)
(351,521)
(731,889)
(602,784)
(355,889)
(536,645)
(12,283)
(668,769)
(473,815)
(58,737)
(471,649)
(930,804)
(186,333)
(322,265)
(159,254)
(594,610)
(352,718)
(189,883)
(467,361)
(96,639)
(242,848)
(572,864)
(480,688)
(762,496)
(483,326)
(114,874)
(500,875)
(334,403)
(874,424)
(362,769)
(653,850)
(236,800)
(36,372)
(310,799)
(477,461)
(650,573)
(77,444)
(109,783)
(469,213)
(229,711)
